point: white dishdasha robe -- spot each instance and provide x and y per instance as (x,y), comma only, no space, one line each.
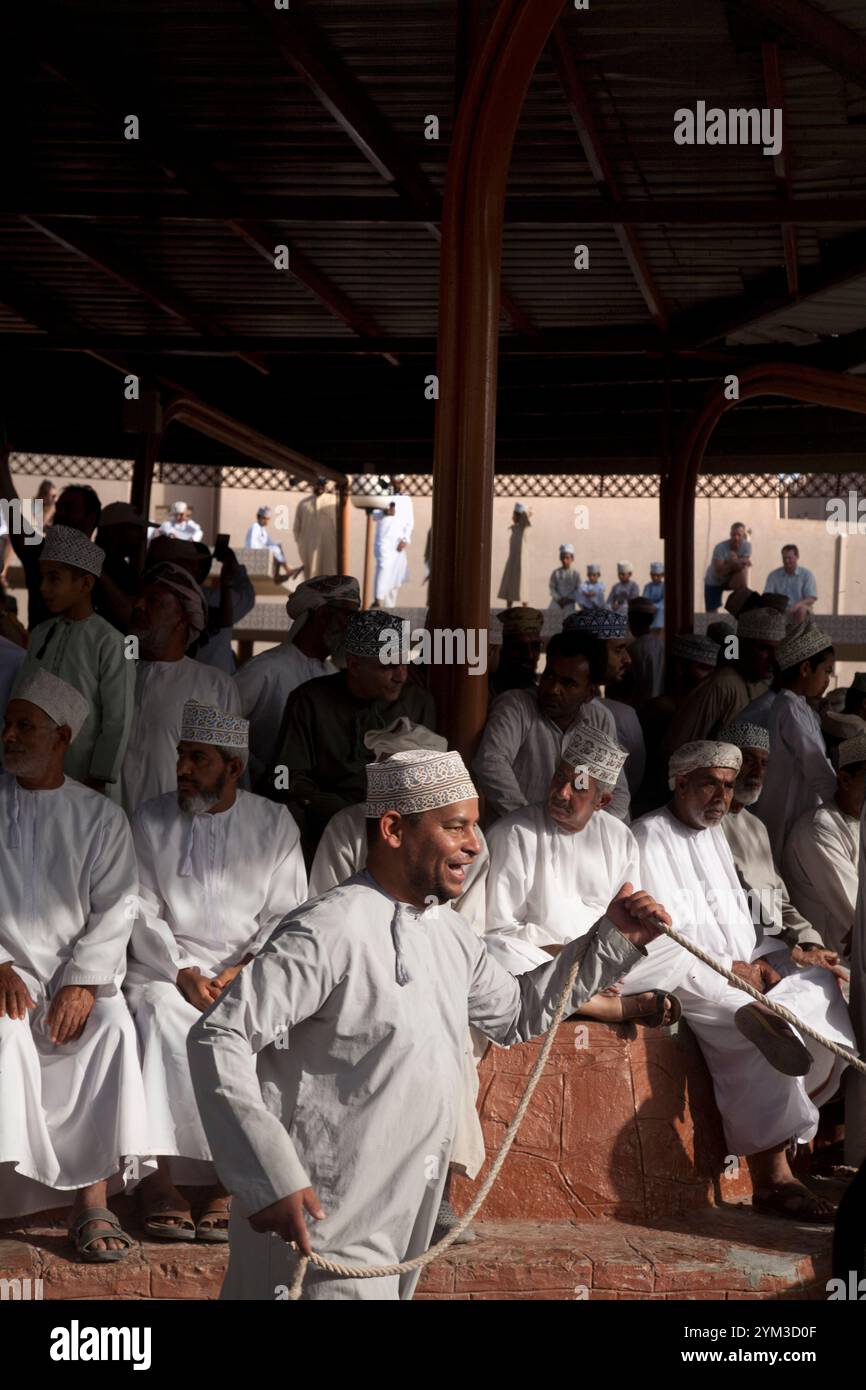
(691,873)
(69,1114)
(264,684)
(212,889)
(372,998)
(799,774)
(820,863)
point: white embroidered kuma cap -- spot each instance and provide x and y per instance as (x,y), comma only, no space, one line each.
(417,780)
(55,697)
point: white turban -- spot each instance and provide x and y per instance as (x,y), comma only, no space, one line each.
(401,736)
(702,753)
(55,697)
(190,597)
(340,590)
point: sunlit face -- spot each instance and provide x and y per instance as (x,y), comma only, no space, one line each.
(593,576)
(750,779)
(202,776)
(63,586)
(563,687)
(703,797)
(566,559)
(372,679)
(30,740)
(573,797)
(438,849)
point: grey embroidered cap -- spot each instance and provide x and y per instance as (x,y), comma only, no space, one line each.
(592,749)
(66,546)
(207,724)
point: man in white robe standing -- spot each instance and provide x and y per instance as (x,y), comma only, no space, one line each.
(315,531)
(822,854)
(319,609)
(328,1075)
(394,526)
(800,775)
(555,866)
(71,1093)
(768,1081)
(218,868)
(168,614)
(342,852)
(525,730)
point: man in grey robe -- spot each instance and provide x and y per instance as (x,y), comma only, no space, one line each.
(328,1075)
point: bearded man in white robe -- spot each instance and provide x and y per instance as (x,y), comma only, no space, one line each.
(768,1081)
(319,609)
(168,614)
(525,731)
(71,1094)
(800,775)
(773,911)
(328,1075)
(822,853)
(219,868)
(555,866)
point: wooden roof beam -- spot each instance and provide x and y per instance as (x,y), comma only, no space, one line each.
(774,86)
(66,54)
(602,170)
(326,75)
(839,48)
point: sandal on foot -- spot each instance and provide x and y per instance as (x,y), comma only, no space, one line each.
(666,1003)
(795,1203)
(83,1243)
(156,1219)
(775,1039)
(207,1228)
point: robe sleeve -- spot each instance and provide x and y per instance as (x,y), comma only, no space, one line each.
(99,954)
(117,696)
(826,861)
(493,766)
(553,586)
(798,736)
(288,982)
(153,942)
(287,887)
(508,880)
(511,1009)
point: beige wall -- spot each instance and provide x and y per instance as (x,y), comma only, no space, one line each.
(610,529)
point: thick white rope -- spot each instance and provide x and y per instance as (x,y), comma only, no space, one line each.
(435,1251)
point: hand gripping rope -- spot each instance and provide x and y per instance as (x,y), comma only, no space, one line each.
(435,1251)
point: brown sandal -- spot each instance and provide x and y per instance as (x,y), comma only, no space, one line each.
(182,1229)
(208,1228)
(777,1200)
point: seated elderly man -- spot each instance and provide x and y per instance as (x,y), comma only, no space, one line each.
(773,912)
(168,614)
(822,853)
(342,852)
(329,1073)
(768,1082)
(71,1095)
(219,868)
(554,866)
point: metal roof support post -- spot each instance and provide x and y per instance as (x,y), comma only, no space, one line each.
(469,306)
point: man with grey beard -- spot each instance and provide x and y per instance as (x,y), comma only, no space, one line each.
(219,868)
(773,913)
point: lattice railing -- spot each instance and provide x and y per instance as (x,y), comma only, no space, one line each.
(508,485)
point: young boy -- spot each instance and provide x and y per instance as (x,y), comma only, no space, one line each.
(590,593)
(565,581)
(80,647)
